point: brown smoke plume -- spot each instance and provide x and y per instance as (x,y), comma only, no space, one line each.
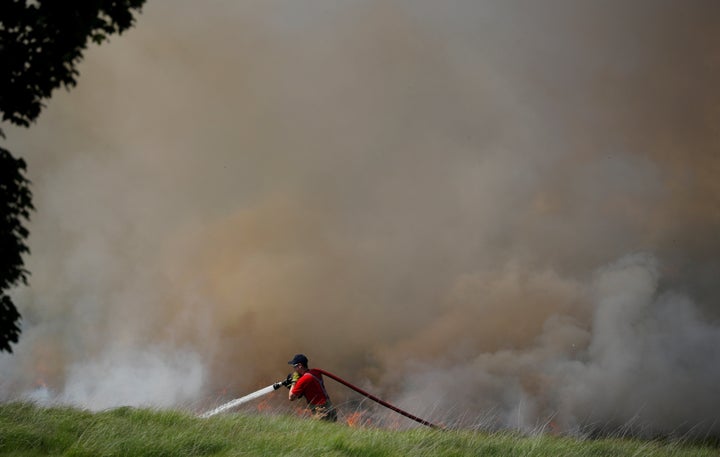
(496,214)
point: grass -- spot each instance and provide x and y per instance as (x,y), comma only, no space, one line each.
(27,430)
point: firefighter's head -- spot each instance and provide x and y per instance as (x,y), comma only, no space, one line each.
(299,363)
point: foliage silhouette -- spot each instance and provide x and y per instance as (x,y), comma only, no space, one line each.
(41,43)
(15,205)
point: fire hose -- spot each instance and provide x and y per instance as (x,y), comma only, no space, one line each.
(377,400)
(288,381)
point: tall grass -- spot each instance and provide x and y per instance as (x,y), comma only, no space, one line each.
(29,430)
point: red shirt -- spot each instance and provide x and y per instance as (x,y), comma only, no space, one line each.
(309,386)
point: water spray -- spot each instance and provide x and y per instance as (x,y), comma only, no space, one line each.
(246,398)
(288,381)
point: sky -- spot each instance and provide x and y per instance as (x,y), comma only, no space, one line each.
(491,214)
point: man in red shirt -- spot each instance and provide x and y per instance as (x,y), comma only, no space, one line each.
(309,384)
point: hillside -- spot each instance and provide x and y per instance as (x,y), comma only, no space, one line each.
(28,430)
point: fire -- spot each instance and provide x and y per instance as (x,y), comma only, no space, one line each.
(394,423)
(358,419)
(263,406)
(554,428)
(353,420)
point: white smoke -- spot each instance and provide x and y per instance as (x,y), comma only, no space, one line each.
(649,363)
(653,357)
(141,377)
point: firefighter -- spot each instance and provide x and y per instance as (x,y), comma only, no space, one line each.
(308,383)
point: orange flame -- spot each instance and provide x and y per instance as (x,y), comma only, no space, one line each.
(395,423)
(554,428)
(264,405)
(358,419)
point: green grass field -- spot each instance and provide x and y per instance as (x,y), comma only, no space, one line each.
(29,430)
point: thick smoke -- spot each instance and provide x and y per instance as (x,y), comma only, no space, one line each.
(495,214)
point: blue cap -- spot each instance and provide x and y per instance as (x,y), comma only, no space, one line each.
(299,358)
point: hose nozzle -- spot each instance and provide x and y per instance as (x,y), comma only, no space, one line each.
(287,382)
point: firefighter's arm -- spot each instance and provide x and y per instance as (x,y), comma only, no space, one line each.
(294,394)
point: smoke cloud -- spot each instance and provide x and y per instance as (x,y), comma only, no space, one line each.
(497,215)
